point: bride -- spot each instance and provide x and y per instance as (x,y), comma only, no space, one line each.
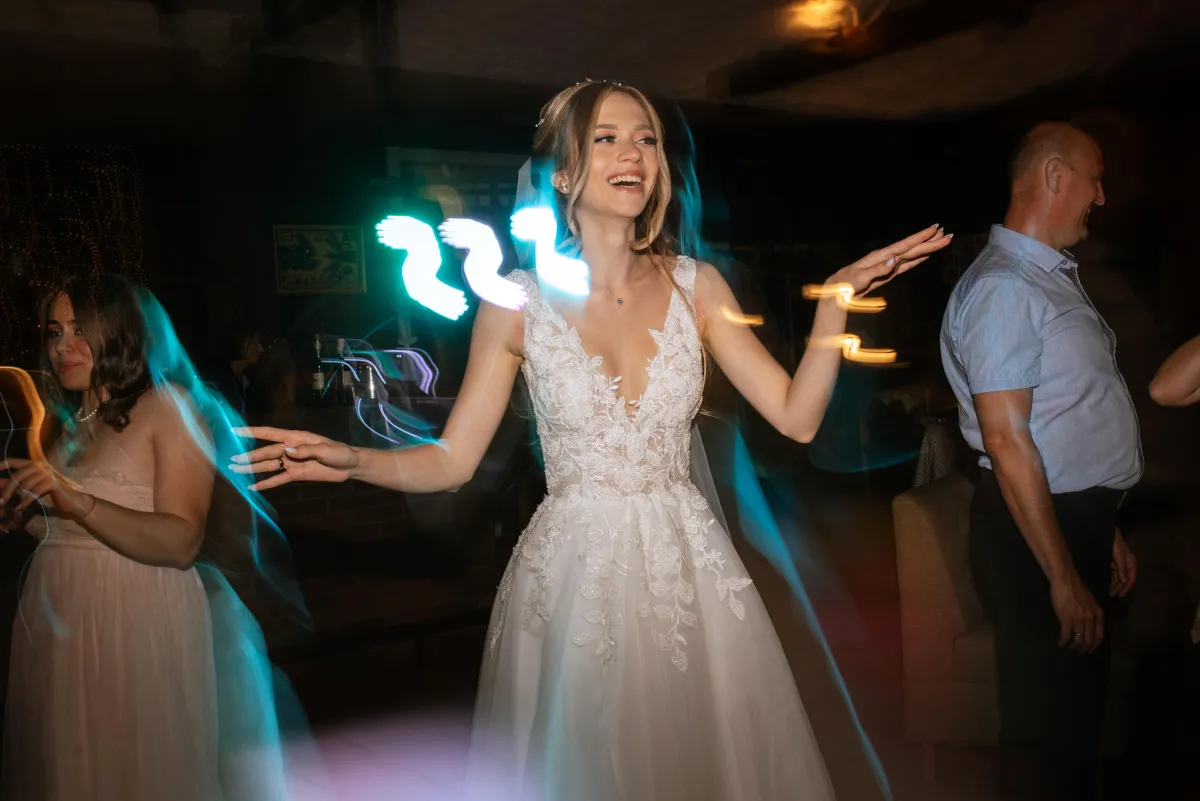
(629,656)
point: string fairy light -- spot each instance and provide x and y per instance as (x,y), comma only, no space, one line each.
(63,211)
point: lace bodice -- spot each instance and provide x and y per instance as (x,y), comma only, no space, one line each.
(596,442)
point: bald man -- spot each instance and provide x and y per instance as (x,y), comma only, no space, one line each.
(1041,400)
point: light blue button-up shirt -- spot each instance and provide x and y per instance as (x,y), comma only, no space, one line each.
(1019,319)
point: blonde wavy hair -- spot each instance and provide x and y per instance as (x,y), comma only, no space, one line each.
(563,145)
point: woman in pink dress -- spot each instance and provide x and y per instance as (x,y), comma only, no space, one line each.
(113,689)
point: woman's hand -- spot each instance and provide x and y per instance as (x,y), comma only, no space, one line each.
(38,481)
(295,456)
(880,266)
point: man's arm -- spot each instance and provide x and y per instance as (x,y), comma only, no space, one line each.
(1000,349)
(1004,424)
(1177,382)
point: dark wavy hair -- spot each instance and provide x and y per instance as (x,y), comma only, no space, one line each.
(108,313)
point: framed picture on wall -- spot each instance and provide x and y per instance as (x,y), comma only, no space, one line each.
(315,259)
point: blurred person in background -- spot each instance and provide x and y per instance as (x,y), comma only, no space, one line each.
(135,674)
(233,373)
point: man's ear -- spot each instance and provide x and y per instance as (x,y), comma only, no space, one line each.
(1055,174)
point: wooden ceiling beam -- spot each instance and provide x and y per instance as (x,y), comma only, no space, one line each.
(282,17)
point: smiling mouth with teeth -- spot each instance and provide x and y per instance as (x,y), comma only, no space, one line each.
(626,181)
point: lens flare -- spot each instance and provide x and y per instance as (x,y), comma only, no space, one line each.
(37,416)
(852,350)
(419,272)
(371,373)
(738,318)
(844,297)
(482,264)
(537,224)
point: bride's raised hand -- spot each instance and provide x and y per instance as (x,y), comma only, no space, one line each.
(880,266)
(293,456)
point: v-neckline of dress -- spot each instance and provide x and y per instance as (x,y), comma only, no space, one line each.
(594,362)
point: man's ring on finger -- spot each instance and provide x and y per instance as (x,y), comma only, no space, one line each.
(281,465)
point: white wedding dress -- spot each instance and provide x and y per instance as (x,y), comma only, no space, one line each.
(629,658)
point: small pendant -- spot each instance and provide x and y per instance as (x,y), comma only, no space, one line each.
(620,301)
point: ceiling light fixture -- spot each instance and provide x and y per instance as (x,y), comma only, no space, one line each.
(823,18)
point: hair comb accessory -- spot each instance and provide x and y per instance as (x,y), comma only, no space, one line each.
(576,85)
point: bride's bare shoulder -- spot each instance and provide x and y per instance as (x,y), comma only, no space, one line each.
(710,284)
(499,328)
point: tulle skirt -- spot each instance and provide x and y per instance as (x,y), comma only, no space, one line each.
(629,657)
(112,691)
(129,682)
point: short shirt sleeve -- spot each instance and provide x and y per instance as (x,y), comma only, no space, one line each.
(999,341)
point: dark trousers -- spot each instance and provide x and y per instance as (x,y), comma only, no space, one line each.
(1051,699)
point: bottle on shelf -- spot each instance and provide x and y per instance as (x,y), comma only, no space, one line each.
(317,372)
(346,390)
(371,392)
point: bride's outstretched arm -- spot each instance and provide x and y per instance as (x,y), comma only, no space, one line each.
(496,345)
(796,405)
